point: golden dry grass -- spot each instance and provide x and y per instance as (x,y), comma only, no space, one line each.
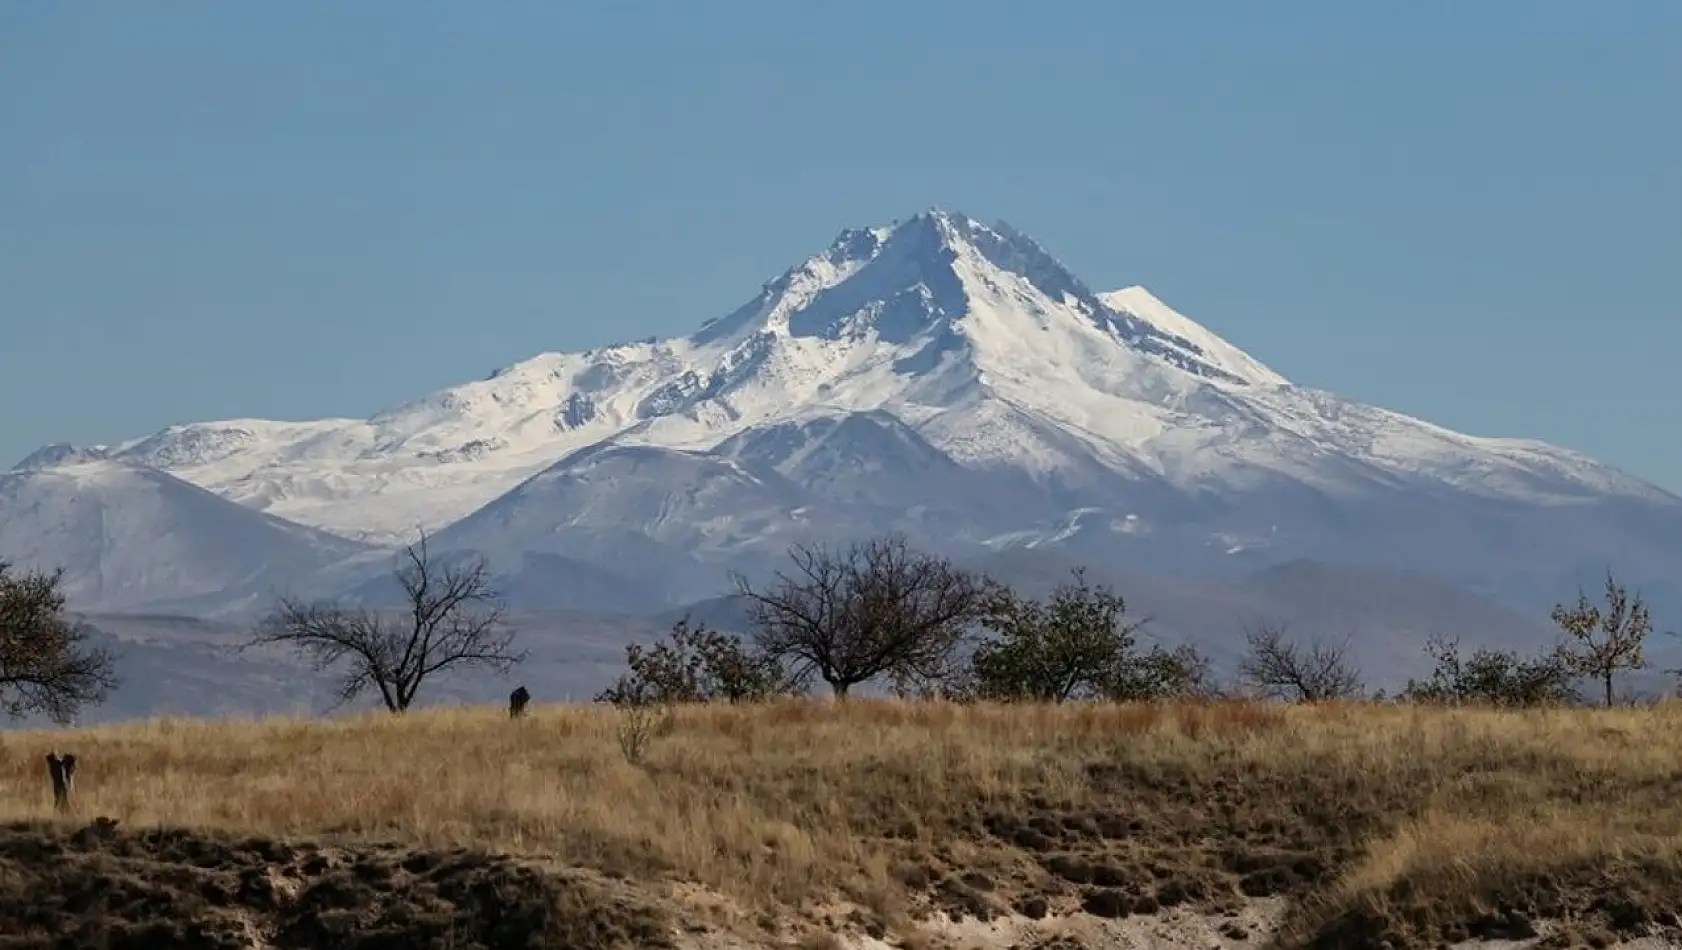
(1384,822)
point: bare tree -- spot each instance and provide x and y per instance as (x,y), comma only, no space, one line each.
(877,608)
(46,664)
(453,618)
(1281,669)
(1604,642)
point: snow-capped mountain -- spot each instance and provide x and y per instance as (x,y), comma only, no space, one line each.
(129,536)
(941,377)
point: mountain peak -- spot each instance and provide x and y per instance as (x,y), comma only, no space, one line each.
(935,213)
(60,453)
(937,375)
(917,282)
(938,227)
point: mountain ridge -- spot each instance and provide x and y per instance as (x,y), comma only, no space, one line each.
(938,376)
(130,536)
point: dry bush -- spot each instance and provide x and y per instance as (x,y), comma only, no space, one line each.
(639,725)
(1278,668)
(1404,821)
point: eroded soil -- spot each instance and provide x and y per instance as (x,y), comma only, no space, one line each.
(105,886)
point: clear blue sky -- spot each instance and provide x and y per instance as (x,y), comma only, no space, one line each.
(1470,212)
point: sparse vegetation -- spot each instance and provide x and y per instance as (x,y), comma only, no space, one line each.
(1278,668)
(1605,642)
(46,663)
(1494,677)
(1379,822)
(641,721)
(453,619)
(1080,773)
(696,664)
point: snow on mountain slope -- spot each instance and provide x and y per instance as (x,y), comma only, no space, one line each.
(1198,342)
(129,536)
(877,467)
(971,334)
(678,514)
(938,376)
(643,510)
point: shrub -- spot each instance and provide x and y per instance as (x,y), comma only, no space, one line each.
(1493,677)
(1180,673)
(696,664)
(1074,645)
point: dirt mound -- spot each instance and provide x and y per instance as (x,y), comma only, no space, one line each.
(105,886)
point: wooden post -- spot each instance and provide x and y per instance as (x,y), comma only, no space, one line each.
(62,768)
(517,701)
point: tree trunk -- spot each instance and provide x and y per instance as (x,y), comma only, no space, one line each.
(1608,675)
(840,689)
(62,770)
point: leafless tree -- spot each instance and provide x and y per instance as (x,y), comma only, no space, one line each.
(453,618)
(878,607)
(1604,642)
(46,664)
(1281,669)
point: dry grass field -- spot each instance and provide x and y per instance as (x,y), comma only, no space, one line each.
(1381,825)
